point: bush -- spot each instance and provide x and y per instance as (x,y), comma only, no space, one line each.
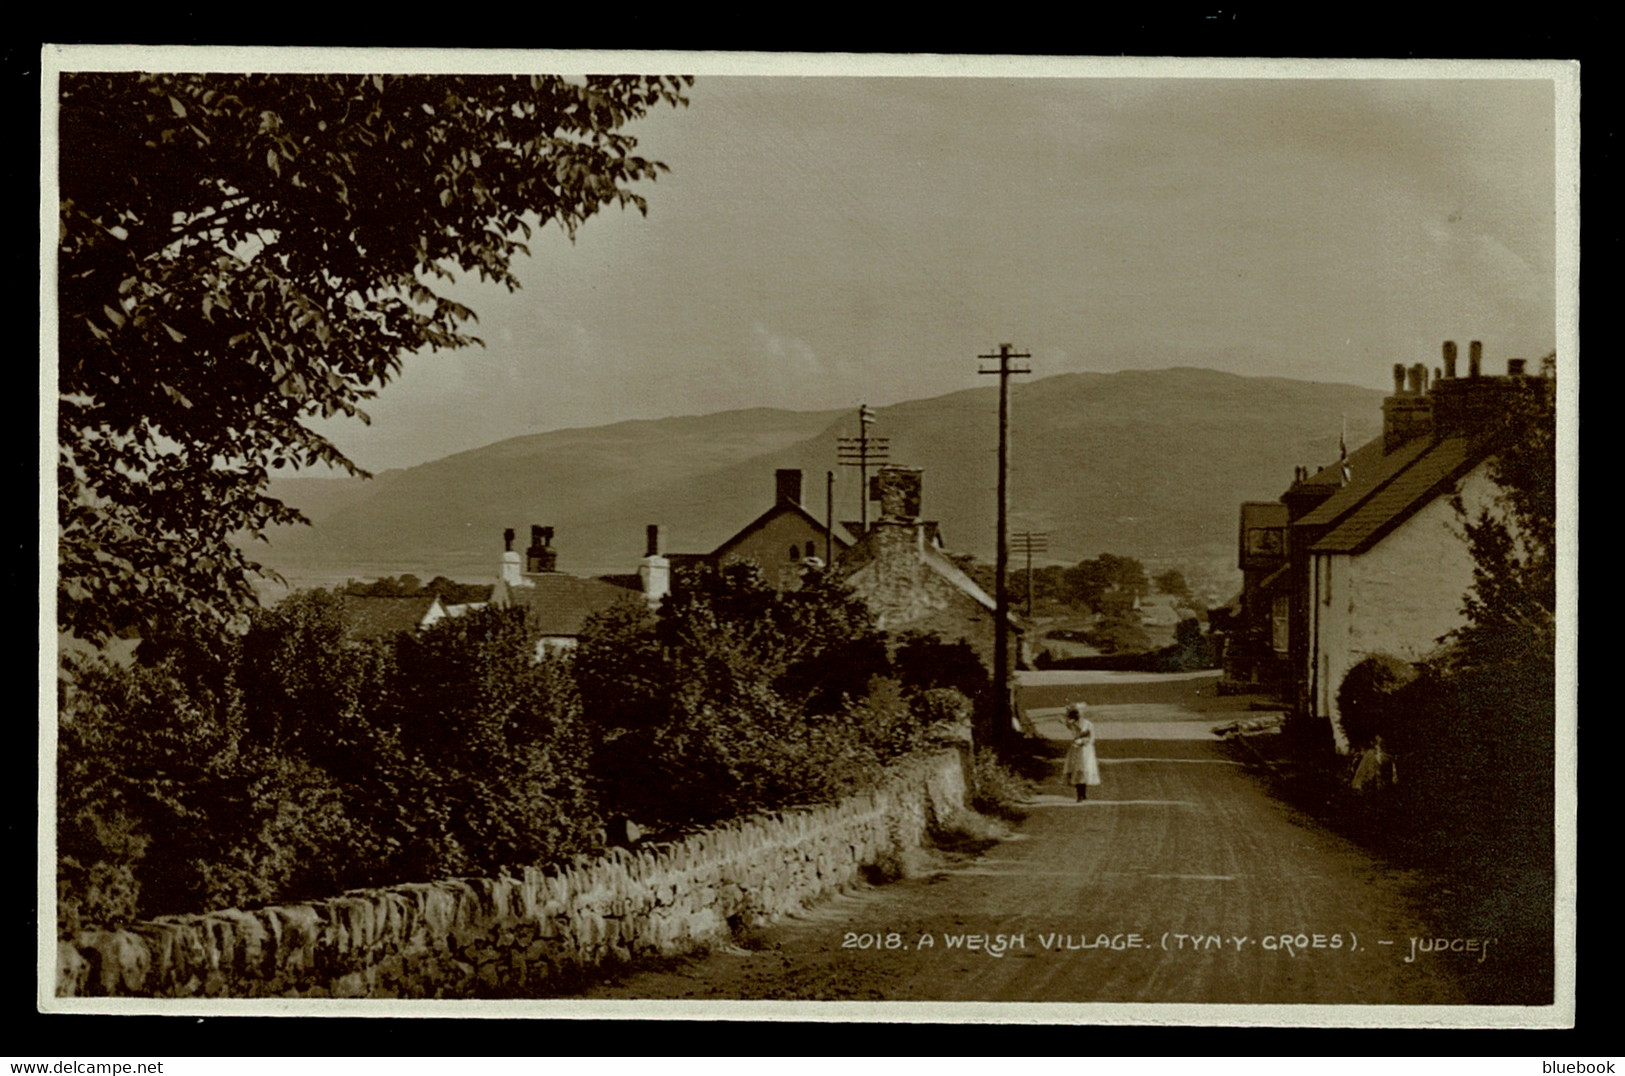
(1368,698)
(1118,635)
(491,769)
(923,662)
(738,698)
(162,809)
(293,764)
(884,720)
(946,708)
(730,699)
(999,790)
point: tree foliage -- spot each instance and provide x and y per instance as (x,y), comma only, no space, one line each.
(1090,579)
(493,752)
(241,253)
(1172,581)
(294,764)
(410,586)
(735,697)
(1510,611)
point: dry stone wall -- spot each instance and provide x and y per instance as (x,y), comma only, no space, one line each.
(530,936)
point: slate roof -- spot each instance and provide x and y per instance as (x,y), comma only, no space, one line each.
(1428,474)
(1360,460)
(939,562)
(952,572)
(843,538)
(562,603)
(1368,471)
(382,618)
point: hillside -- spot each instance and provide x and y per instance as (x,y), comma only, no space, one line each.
(1147,463)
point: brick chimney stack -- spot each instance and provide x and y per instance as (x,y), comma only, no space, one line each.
(510,570)
(1408,413)
(541,557)
(787,485)
(899,489)
(1475,404)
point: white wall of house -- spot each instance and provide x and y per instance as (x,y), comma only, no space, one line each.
(1399,597)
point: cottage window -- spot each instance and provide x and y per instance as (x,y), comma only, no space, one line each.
(1279,618)
(795,554)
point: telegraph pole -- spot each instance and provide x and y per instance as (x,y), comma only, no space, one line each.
(859,452)
(829,520)
(998,730)
(1029,543)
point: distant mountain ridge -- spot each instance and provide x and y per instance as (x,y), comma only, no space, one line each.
(1149,463)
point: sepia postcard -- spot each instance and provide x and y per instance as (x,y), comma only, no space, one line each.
(808,537)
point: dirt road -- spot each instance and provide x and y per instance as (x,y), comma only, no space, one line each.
(1179,880)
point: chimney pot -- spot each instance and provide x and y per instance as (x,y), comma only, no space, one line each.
(1515,367)
(652,540)
(1475,358)
(1450,358)
(507,540)
(1399,378)
(1418,377)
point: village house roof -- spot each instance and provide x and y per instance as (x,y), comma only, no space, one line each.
(843,537)
(382,618)
(1369,470)
(1363,462)
(899,542)
(562,603)
(954,574)
(1427,475)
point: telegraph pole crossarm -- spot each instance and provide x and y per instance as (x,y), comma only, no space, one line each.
(860,452)
(1030,542)
(997,730)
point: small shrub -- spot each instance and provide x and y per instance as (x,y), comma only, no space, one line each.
(943,708)
(884,721)
(1367,698)
(1118,635)
(999,791)
(923,662)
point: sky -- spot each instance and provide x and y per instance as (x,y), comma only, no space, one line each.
(825,241)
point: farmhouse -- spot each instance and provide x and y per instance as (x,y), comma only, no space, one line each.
(900,571)
(783,541)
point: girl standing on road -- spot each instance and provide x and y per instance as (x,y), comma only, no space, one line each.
(1082,769)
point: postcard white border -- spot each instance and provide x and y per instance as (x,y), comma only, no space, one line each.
(1565,77)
